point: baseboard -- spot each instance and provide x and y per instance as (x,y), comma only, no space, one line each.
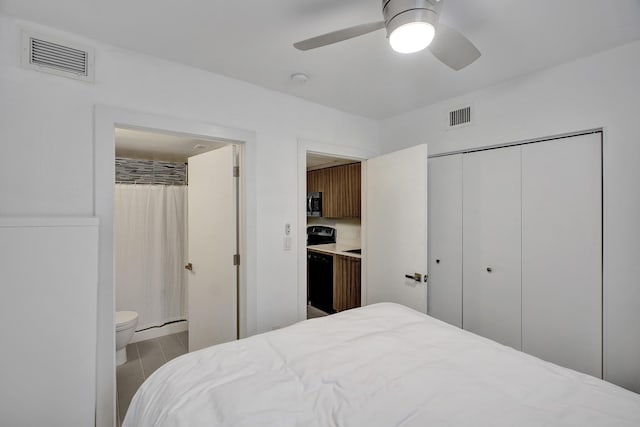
(171,328)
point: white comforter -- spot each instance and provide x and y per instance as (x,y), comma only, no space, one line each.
(382,365)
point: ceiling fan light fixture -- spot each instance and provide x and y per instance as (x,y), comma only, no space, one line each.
(411,37)
(411,26)
(410,23)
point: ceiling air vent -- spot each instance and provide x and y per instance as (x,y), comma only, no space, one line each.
(459,117)
(54,56)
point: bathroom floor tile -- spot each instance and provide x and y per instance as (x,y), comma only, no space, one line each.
(129,377)
(143,358)
(151,356)
(171,346)
(184,339)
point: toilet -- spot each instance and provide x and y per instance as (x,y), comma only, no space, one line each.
(126,322)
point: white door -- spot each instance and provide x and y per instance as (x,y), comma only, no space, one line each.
(396,227)
(445,239)
(212,244)
(492,245)
(562,252)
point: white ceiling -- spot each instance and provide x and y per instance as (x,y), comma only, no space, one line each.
(321,161)
(143,144)
(252,41)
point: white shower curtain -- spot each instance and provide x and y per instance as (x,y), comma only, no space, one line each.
(151,251)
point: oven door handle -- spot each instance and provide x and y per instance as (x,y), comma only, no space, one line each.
(309,198)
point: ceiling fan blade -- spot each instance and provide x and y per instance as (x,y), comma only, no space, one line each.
(338,36)
(452,48)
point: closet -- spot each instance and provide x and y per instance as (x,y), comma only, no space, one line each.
(491,223)
(444,214)
(515,247)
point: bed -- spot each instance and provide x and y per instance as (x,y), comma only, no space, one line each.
(381,365)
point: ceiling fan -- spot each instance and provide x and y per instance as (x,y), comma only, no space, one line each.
(411,26)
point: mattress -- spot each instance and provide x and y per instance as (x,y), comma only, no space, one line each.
(381,365)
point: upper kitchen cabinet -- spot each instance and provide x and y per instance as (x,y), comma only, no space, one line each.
(340,188)
(316,181)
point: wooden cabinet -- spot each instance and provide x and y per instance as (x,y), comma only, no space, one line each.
(340,188)
(316,181)
(345,286)
(346,282)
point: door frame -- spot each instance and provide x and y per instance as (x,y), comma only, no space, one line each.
(346,152)
(106,119)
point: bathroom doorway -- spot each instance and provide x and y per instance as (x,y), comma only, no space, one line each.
(176,229)
(106,120)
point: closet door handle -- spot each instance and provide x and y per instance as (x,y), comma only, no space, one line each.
(189,267)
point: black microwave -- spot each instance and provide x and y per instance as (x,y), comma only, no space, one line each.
(314,204)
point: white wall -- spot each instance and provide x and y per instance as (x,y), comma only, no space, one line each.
(46,166)
(46,125)
(598,91)
(47,134)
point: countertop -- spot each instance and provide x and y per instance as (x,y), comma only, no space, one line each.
(335,249)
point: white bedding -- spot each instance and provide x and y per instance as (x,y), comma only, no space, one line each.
(381,365)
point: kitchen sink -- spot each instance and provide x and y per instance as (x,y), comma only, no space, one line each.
(354,251)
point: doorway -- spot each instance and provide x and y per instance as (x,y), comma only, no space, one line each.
(107,119)
(393,220)
(333,229)
(171,193)
(316,155)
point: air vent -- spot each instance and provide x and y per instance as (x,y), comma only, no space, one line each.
(460,117)
(57,57)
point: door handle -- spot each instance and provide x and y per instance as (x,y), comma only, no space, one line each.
(415,276)
(189,267)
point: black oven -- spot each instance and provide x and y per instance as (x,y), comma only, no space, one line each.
(320,235)
(314,204)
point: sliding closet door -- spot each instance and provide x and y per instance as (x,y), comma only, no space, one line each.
(445,239)
(562,252)
(491,242)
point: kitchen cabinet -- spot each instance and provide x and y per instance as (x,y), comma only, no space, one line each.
(340,188)
(316,181)
(346,282)
(333,280)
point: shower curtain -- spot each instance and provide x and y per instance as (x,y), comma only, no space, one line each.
(151,251)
